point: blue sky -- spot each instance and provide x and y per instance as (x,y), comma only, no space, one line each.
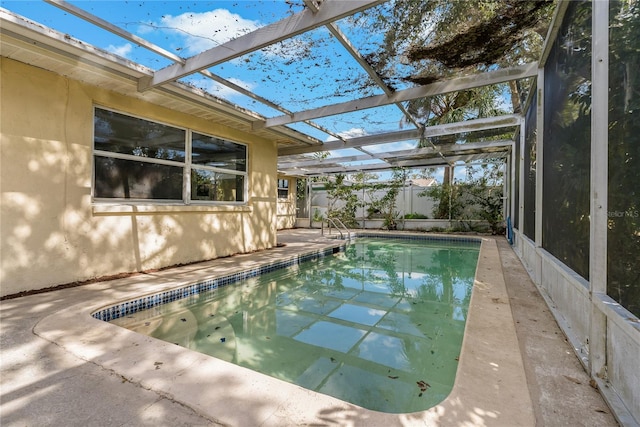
(331,75)
(307,71)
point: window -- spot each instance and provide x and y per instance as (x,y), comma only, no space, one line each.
(214,166)
(283,189)
(137,159)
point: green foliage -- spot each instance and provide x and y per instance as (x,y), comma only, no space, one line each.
(479,197)
(415,215)
(454,36)
(344,198)
(487,201)
(458,106)
(385,206)
(448,202)
(317,215)
(337,190)
(623,274)
(567,135)
(301,189)
(496,30)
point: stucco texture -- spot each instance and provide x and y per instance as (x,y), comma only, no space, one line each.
(286,207)
(52,232)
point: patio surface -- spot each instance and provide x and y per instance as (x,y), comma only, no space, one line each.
(60,367)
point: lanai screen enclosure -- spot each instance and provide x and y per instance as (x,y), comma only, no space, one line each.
(162,114)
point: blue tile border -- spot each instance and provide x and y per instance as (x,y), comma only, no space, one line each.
(146,302)
(143,303)
(439,238)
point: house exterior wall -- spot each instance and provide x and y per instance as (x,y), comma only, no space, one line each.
(286,208)
(53,233)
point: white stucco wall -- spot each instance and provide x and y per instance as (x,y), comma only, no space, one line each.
(53,234)
(286,208)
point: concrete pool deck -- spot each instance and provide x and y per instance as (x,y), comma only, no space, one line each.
(59,366)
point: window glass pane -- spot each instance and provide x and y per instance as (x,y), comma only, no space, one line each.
(118,133)
(567,141)
(215,186)
(216,152)
(623,253)
(129,179)
(529,196)
(283,188)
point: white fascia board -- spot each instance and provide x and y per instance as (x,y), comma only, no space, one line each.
(437,88)
(47,39)
(299,23)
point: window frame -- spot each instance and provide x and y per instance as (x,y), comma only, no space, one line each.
(187,168)
(283,188)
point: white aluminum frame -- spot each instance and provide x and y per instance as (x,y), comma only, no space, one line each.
(306,20)
(608,340)
(599,186)
(315,15)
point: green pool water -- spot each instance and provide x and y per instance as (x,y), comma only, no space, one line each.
(379,325)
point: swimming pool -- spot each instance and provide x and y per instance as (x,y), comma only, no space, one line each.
(378,324)
(490,387)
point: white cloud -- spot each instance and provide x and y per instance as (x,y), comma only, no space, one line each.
(351,133)
(203,31)
(123,50)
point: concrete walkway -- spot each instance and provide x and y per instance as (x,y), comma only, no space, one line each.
(559,386)
(54,374)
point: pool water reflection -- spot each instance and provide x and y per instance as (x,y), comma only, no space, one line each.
(379,325)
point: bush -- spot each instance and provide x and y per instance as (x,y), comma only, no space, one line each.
(415,215)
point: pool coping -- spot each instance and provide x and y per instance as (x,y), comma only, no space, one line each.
(146,301)
(490,371)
